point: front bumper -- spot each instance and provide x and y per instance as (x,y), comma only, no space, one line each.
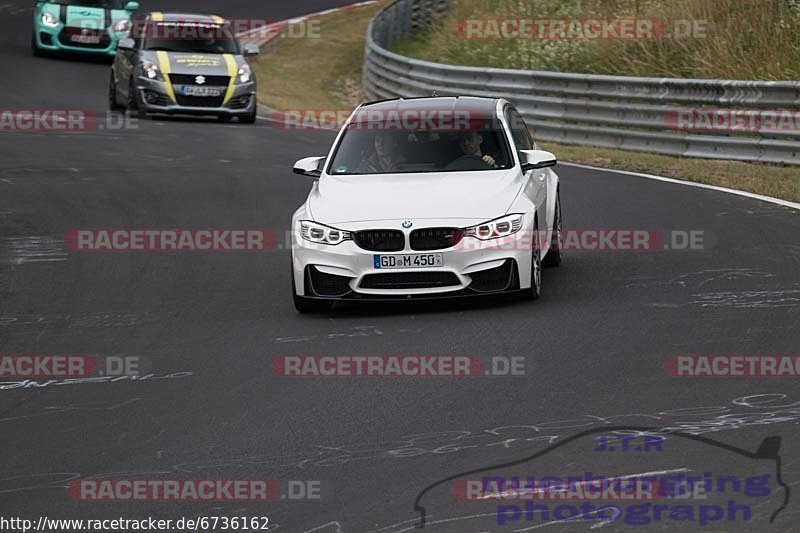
(156,97)
(56,40)
(471,268)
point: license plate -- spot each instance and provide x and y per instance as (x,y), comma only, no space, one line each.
(191,90)
(408,261)
(85,39)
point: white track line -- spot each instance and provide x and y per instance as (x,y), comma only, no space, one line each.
(737,192)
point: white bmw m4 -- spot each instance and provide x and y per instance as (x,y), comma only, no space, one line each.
(426,198)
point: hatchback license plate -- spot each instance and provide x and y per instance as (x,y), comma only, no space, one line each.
(85,39)
(408,261)
(191,90)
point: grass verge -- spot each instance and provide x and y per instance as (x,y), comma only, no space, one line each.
(317,73)
(726,39)
(325,73)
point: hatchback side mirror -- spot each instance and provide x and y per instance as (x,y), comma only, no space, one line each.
(131,6)
(535,159)
(309,166)
(250,49)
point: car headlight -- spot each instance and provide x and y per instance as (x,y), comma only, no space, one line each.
(321,234)
(494,229)
(244,75)
(152,71)
(122,26)
(49,20)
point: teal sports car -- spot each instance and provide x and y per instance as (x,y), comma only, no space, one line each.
(82,26)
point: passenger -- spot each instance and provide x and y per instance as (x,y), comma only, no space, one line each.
(385,158)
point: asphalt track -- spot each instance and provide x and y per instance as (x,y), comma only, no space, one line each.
(594,344)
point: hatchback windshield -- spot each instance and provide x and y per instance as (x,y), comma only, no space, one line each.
(367,150)
(187,37)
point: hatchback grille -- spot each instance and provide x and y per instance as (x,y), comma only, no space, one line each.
(191,79)
(435,238)
(199,101)
(380,240)
(409,280)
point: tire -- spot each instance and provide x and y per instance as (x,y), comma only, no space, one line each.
(305,305)
(251,118)
(113,104)
(134,106)
(35,49)
(553,257)
(535,290)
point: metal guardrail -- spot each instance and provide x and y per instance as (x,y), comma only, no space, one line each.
(610,111)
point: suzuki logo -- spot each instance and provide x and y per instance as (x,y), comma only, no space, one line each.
(84,31)
(407,224)
(200,80)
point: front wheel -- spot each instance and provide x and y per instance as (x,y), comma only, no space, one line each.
(553,257)
(134,105)
(251,118)
(113,105)
(535,290)
(34,48)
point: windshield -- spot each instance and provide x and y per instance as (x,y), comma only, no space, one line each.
(362,150)
(189,37)
(109,4)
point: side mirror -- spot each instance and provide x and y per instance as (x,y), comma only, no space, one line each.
(250,49)
(534,159)
(309,166)
(131,6)
(126,44)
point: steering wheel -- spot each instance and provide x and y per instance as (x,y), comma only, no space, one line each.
(466,162)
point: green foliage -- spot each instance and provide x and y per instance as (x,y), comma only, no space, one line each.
(738,39)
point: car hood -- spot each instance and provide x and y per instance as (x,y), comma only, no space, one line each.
(85,16)
(477,196)
(193,64)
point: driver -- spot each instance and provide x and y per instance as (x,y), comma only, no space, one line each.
(384,158)
(470,143)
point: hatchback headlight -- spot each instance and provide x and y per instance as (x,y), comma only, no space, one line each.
(122,26)
(49,20)
(494,229)
(321,234)
(152,71)
(244,75)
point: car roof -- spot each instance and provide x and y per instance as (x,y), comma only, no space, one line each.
(485,106)
(158,16)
